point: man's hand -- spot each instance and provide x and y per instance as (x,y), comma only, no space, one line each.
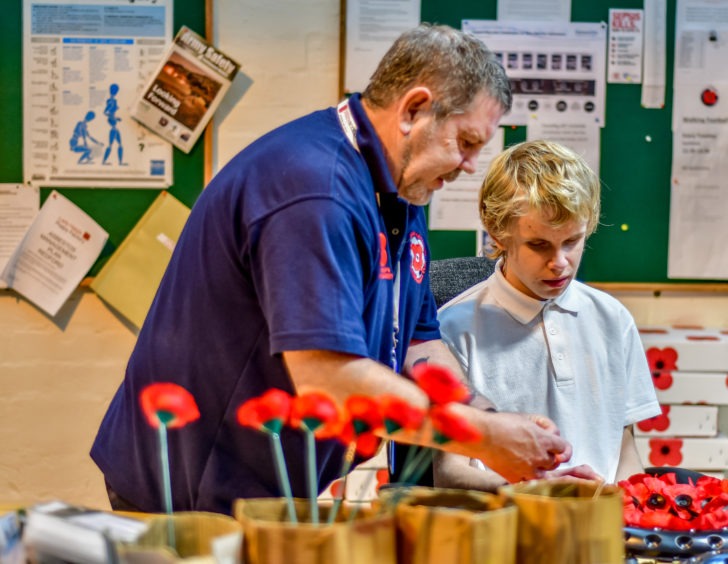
(576,474)
(519,448)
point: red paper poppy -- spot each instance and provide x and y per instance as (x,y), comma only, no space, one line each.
(449,426)
(382,477)
(399,414)
(316,412)
(439,383)
(665,452)
(658,422)
(168,403)
(661,362)
(268,412)
(658,501)
(367,444)
(364,413)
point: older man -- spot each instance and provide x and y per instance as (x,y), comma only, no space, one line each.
(304,265)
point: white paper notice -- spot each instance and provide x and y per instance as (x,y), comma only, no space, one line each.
(554,68)
(653,66)
(625,46)
(578,135)
(371,28)
(19,204)
(56,252)
(699,201)
(535,10)
(455,205)
(83,63)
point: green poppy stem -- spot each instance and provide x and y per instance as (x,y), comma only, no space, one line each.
(414,464)
(283,481)
(424,464)
(312,478)
(345,467)
(166,479)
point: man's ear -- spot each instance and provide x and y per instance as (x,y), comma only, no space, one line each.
(414,105)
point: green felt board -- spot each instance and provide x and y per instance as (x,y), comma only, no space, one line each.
(116,210)
(635,173)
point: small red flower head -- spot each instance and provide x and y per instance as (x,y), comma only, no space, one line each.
(658,422)
(364,413)
(317,412)
(169,404)
(399,414)
(439,383)
(665,452)
(449,426)
(268,412)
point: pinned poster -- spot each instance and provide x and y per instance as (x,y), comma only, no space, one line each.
(55,254)
(130,278)
(624,60)
(19,204)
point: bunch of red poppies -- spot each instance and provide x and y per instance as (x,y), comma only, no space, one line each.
(659,501)
(357,424)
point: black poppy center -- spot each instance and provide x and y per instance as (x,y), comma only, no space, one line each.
(683,501)
(656,501)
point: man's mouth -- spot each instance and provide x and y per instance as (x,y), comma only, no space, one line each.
(450,176)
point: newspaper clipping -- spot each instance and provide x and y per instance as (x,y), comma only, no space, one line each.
(185,90)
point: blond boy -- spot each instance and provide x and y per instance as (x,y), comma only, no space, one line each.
(531,338)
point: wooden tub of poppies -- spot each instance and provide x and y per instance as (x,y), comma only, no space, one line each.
(664,518)
(278,530)
(436,525)
(566,522)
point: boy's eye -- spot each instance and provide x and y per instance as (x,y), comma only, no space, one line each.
(537,244)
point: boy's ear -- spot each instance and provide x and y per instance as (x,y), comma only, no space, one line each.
(498,243)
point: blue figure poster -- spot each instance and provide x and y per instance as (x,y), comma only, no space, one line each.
(84,62)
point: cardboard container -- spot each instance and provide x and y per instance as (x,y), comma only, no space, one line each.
(454,526)
(691,387)
(691,453)
(681,420)
(202,538)
(563,523)
(269,538)
(690,348)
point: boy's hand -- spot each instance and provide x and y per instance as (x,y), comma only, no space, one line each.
(581,472)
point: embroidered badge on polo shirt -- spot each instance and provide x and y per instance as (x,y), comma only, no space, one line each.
(417,256)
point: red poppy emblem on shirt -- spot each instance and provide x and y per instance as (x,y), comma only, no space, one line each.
(417,256)
(168,403)
(666,452)
(658,422)
(385,272)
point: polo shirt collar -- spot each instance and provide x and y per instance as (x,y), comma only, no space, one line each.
(371,148)
(524,308)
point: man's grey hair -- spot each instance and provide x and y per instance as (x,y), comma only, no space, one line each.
(454,65)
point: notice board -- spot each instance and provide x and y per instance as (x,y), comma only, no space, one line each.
(117,210)
(630,244)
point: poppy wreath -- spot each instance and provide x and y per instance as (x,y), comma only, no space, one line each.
(659,501)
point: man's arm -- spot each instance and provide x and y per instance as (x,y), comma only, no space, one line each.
(512,445)
(629,459)
(437,352)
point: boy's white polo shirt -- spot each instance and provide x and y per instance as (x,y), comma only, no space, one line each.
(576,358)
